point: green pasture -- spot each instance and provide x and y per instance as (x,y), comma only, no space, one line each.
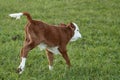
(96,56)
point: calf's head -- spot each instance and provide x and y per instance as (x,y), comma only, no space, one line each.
(76,34)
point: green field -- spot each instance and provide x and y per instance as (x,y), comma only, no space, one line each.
(96,56)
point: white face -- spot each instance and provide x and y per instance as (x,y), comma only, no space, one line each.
(77,34)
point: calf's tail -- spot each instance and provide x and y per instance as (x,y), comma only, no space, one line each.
(18,15)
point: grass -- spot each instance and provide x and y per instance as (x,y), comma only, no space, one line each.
(94,57)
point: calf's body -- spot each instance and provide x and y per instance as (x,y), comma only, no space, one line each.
(52,38)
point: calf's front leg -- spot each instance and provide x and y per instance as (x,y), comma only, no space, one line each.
(50,57)
(65,55)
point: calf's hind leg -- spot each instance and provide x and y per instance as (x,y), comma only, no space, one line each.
(24,52)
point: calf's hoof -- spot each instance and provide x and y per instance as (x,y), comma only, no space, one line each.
(19,70)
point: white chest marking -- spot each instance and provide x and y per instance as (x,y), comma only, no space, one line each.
(42,46)
(54,50)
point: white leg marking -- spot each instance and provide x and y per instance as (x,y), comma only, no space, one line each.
(22,64)
(50,67)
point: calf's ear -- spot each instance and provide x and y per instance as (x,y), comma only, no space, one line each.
(63,25)
(71,26)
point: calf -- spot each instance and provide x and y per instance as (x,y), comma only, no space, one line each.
(52,38)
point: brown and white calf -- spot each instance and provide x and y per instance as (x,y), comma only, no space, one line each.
(52,38)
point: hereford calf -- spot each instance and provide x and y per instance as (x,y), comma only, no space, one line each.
(52,38)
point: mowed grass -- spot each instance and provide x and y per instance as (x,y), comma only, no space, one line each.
(96,56)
